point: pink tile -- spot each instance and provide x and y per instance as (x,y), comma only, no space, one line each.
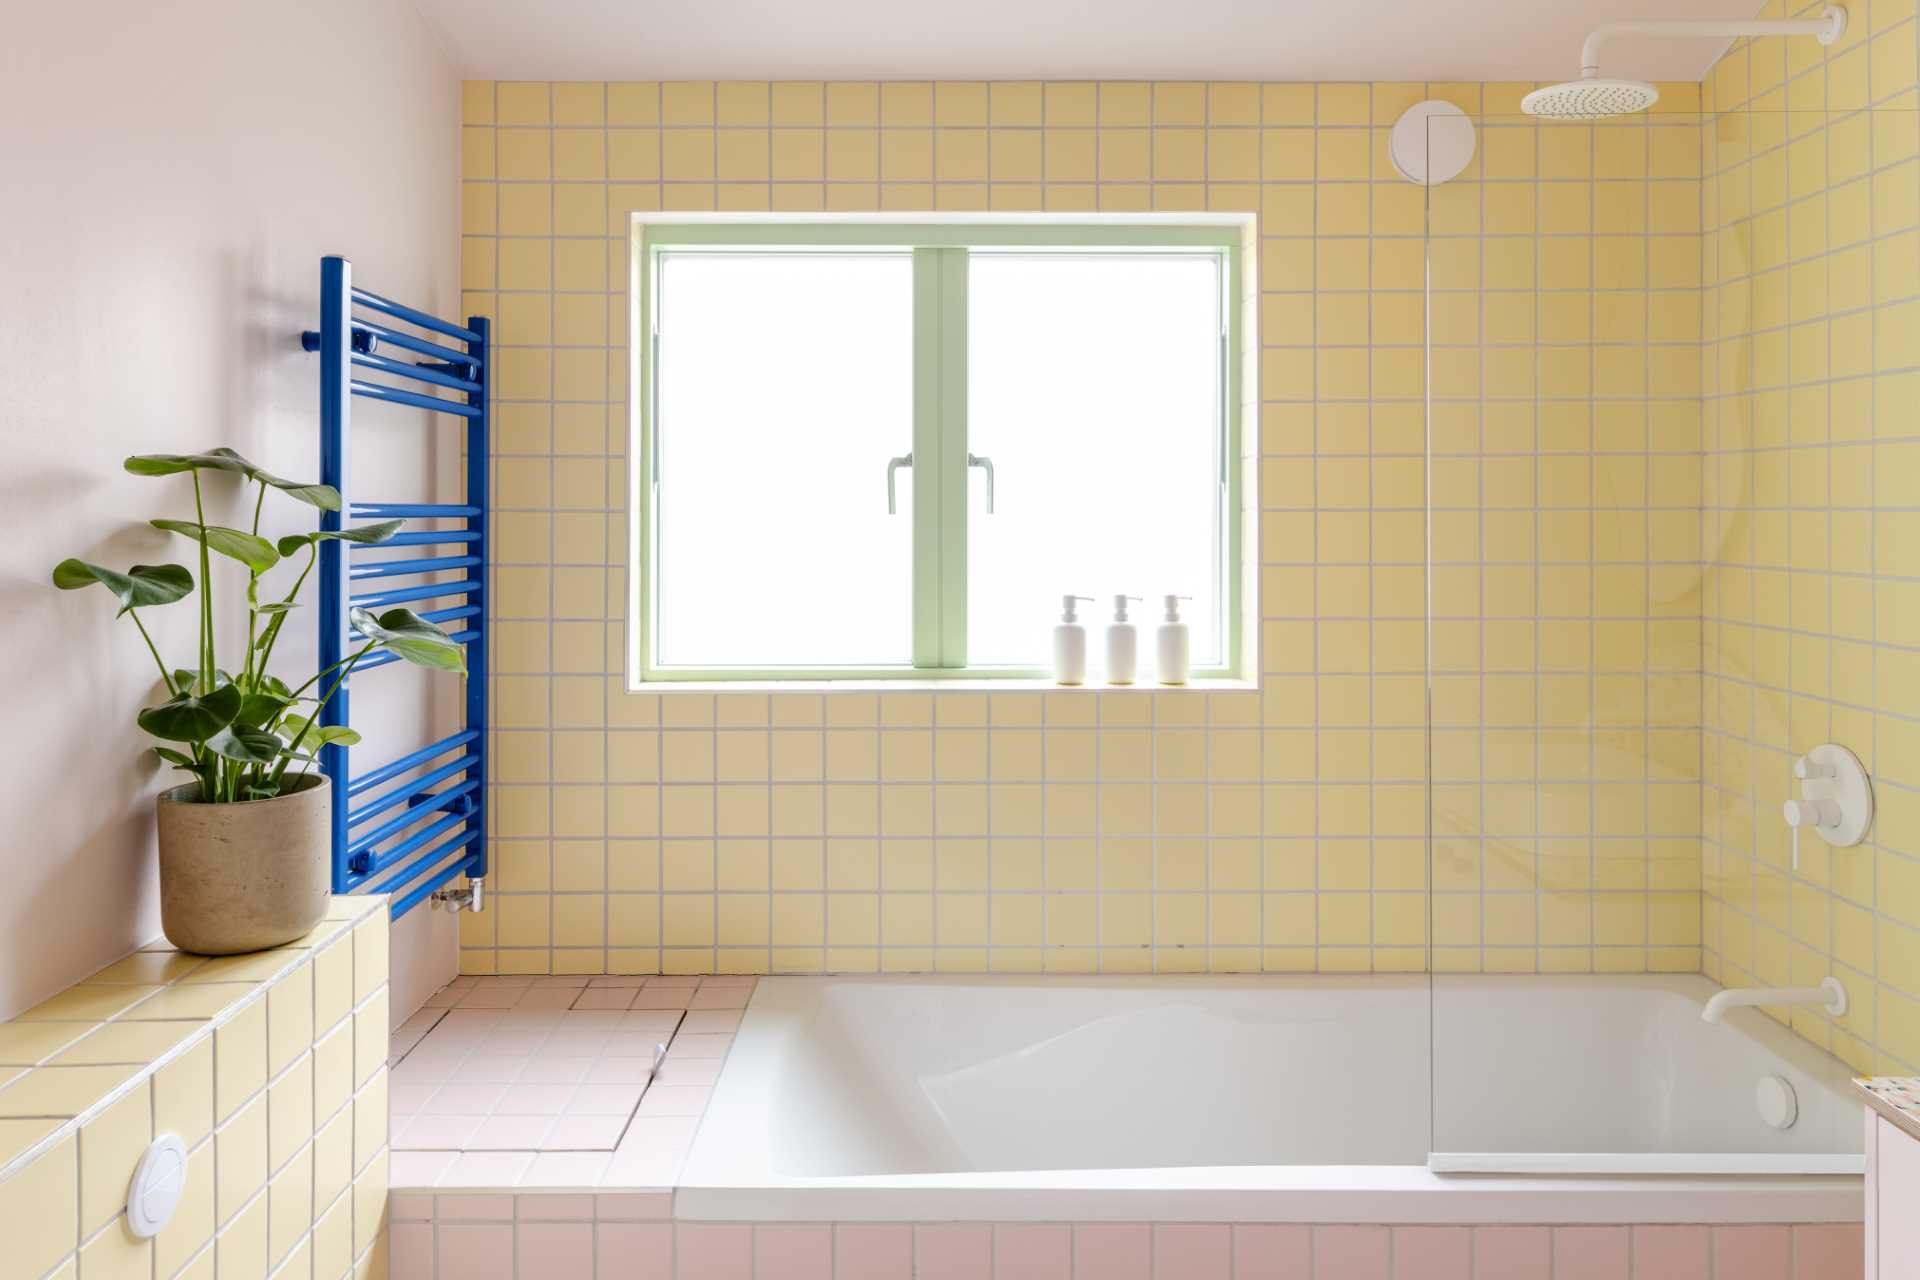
(708,1021)
(633,1206)
(1192,1251)
(953,1251)
(1512,1253)
(1112,1251)
(720,998)
(541,1207)
(1267,1252)
(585,1133)
(1672,1253)
(605,998)
(1350,1253)
(1829,1251)
(695,1044)
(487,1169)
(1590,1253)
(417,1168)
(881,1251)
(436,1133)
(674,980)
(547,998)
(1752,1253)
(686,1071)
(510,1133)
(473,1207)
(635,1250)
(730,980)
(555,1250)
(627,1071)
(1432,1253)
(712,1251)
(474,1251)
(673,1100)
(566,1169)
(617,980)
(604,1100)
(1032,1251)
(409,1206)
(793,1251)
(411,1250)
(662,998)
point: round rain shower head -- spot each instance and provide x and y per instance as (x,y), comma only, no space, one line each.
(1590,99)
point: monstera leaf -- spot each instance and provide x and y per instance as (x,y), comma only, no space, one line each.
(366,535)
(254,552)
(140,587)
(323,496)
(193,717)
(412,637)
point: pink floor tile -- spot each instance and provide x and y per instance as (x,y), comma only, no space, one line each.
(627,1071)
(1590,1253)
(712,1251)
(1752,1253)
(464,1099)
(1112,1251)
(417,1168)
(604,1100)
(530,1099)
(548,998)
(555,1250)
(1672,1253)
(1829,1251)
(494,1068)
(635,1250)
(617,980)
(1512,1253)
(730,980)
(880,1251)
(953,1251)
(662,998)
(673,980)
(1192,1251)
(1272,1252)
(1350,1253)
(793,1251)
(1432,1253)
(1032,1251)
(474,1251)
(689,1071)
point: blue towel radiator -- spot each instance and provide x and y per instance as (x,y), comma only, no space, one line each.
(411,827)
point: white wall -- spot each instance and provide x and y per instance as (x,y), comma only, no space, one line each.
(170,175)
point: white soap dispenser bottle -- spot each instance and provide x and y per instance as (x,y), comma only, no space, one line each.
(1123,644)
(1172,643)
(1070,643)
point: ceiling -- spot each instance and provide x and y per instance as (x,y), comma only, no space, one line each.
(1062,39)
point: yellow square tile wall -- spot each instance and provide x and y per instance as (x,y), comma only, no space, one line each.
(249,1084)
(1812,419)
(1034,831)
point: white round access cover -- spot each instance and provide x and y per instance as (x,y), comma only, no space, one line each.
(1432,143)
(157,1183)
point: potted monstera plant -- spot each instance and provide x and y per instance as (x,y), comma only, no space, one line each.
(244,844)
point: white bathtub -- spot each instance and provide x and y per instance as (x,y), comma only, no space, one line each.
(1308,1099)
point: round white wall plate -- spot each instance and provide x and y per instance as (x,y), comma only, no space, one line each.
(158,1181)
(1432,142)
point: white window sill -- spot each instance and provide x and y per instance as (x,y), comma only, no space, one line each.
(1013,685)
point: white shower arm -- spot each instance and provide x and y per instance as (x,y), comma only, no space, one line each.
(1827,28)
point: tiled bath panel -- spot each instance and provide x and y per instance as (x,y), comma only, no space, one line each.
(581,1237)
(551,1082)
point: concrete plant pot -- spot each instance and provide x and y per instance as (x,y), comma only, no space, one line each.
(247,876)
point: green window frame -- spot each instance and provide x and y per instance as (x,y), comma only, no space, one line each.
(939,473)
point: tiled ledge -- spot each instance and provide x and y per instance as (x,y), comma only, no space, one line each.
(529,1048)
(269,1067)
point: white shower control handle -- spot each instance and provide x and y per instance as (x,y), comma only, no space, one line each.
(1835,800)
(1811,813)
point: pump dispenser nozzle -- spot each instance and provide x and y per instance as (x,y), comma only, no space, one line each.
(1069,610)
(1172,604)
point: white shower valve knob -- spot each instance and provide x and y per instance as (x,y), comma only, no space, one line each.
(1811,813)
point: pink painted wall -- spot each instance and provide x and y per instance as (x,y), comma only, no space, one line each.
(173,174)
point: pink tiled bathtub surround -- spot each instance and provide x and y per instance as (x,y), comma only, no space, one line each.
(584,1237)
(548,1083)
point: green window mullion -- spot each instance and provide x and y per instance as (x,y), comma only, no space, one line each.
(940,457)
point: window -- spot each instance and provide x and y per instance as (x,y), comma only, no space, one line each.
(883,450)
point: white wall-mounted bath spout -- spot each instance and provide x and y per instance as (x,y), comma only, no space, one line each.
(1590,97)
(1829,995)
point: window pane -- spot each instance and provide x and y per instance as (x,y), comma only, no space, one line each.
(785,384)
(1093,385)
